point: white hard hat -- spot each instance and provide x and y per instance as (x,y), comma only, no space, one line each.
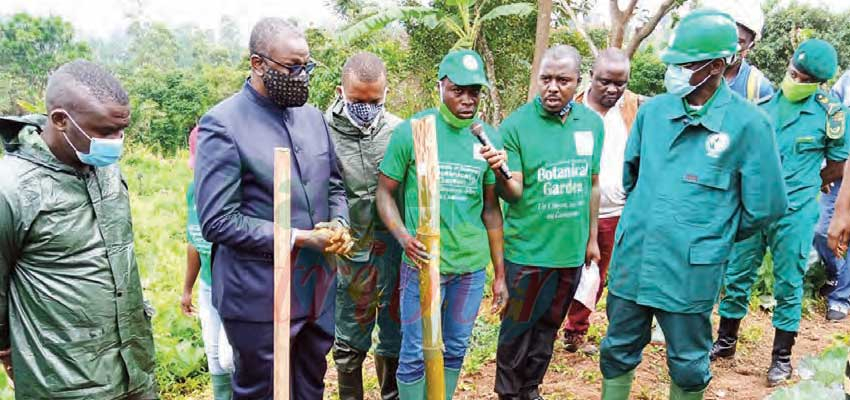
(745,12)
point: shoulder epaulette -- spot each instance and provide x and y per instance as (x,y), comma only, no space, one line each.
(835,115)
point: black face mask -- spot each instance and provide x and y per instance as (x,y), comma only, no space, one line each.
(287,90)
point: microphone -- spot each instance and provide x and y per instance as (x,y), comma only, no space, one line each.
(478,131)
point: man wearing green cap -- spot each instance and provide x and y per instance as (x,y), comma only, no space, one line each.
(470,221)
(553,148)
(810,126)
(698,163)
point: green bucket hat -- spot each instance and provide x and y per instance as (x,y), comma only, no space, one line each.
(463,68)
(703,34)
(817,58)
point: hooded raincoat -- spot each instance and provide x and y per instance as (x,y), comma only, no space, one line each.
(71,305)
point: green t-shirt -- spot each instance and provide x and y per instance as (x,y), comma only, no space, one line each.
(194,236)
(463,173)
(550,225)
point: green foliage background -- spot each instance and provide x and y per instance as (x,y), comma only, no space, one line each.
(175,74)
(786,27)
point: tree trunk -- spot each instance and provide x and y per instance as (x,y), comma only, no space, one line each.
(490,69)
(644,31)
(619,21)
(541,42)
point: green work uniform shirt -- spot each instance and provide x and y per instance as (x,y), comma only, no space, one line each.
(195,237)
(694,184)
(801,133)
(71,303)
(550,224)
(464,246)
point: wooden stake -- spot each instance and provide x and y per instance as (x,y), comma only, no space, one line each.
(282,272)
(428,232)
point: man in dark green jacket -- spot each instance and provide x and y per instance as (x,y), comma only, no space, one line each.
(699,163)
(367,277)
(73,323)
(810,127)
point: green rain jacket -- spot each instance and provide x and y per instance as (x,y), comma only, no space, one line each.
(695,185)
(359,153)
(71,304)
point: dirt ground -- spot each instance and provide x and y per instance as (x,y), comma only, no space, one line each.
(574,376)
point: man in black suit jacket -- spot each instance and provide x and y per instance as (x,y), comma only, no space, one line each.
(234,186)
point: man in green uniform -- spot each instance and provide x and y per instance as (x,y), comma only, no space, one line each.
(553,148)
(367,277)
(810,125)
(698,163)
(470,221)
(73,322)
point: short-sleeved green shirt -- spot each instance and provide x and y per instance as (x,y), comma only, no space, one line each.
(463,173)
(550,224)
(803,142)
(194,236)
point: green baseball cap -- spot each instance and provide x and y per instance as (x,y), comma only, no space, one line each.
(463,68)
(702,34)
(817,58)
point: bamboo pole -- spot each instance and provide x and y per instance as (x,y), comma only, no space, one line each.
(282,272)
(428,232)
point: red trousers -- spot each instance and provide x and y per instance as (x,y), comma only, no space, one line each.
(578,318)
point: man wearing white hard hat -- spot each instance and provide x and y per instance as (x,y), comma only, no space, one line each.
(742,77)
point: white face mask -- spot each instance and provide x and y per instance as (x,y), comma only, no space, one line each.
(677,79)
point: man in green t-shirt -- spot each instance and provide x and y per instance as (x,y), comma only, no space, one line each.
(470,221)
(553,146)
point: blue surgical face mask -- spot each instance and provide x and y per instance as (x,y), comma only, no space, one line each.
(102,152)
(677,80)
(362,115)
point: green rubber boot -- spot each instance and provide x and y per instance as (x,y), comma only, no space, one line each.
(618,388)
(411,391)
(221,387)
(451,376)
(677,393)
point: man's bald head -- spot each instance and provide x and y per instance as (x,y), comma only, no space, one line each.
(558,78)
(86,79)
(563,54)
(609,78)
(268,30)
(611,56)
(363,67)
(364,79)
(84,102)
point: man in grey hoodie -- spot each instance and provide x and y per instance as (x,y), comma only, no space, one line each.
(367,284)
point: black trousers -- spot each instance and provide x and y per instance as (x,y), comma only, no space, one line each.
(253,357)
(538,301)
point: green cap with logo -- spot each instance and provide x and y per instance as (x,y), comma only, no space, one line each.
(463,68)
(817,58)
(702,34)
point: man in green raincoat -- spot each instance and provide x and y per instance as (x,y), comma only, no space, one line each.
(73,323)
(810,128)
(698,165)
(367,277)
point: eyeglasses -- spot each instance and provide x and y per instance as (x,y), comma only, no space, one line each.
(293,69)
